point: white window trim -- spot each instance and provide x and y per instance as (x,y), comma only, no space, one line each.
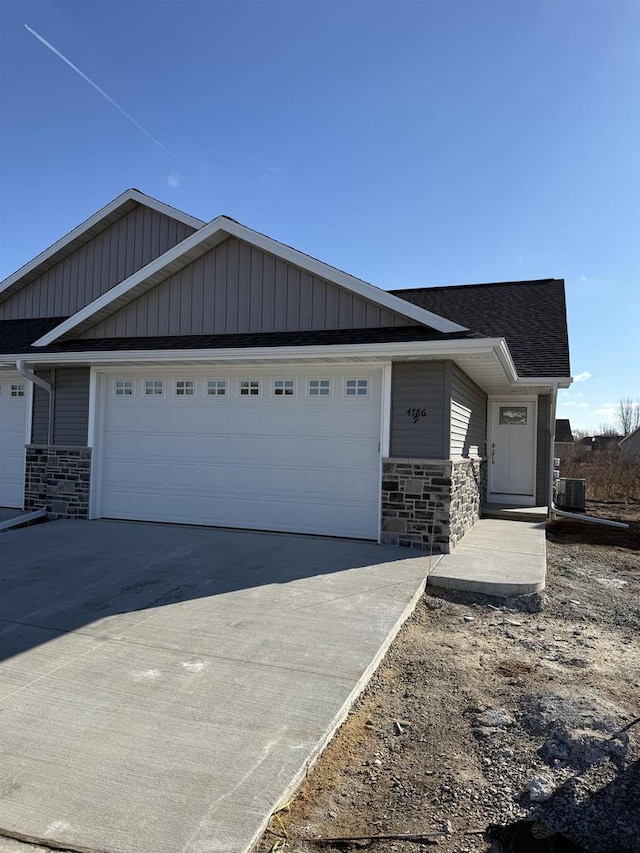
(284,396)
(114,387)
(184,395)
(216,396)
(356,378)
(249,395)
(307,384)
(162,393)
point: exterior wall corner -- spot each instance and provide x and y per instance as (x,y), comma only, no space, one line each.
(430,504)
(57,479)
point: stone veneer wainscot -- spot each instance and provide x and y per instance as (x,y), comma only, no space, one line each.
(422,499)
(57,480)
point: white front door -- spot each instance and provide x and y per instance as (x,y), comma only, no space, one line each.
(512,451)
(14,395)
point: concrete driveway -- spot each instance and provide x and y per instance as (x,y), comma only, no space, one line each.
(163,688)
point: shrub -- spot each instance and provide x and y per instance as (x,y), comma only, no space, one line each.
(609,477)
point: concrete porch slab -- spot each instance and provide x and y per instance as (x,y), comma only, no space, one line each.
(509,512)
(501,558)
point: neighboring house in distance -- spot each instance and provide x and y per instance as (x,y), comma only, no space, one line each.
(563,431)
(630,445)
(564,445)
(161,368)
(593,444)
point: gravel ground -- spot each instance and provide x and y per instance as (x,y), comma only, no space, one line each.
(484,716)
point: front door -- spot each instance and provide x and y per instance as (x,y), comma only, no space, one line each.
(512,452)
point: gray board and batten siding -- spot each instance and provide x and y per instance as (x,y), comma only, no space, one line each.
(237,288)
(437,412)
(419,410)
(544,448)
(68,422)
(468,416)
(126,245)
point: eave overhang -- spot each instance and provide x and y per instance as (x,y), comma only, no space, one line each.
(487,361)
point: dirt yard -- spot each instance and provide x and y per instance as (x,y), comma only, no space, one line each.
(482,716)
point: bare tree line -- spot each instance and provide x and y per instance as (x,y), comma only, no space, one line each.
(626,418)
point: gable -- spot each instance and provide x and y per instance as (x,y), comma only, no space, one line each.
(239,288)
(124,246)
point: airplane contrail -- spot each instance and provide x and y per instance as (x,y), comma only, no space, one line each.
(101,91)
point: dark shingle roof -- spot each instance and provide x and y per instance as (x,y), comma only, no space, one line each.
(563,430)
(20,338)
(531,315)
(18,335)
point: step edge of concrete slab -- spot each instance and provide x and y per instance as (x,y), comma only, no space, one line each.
(341,715)
(499,589)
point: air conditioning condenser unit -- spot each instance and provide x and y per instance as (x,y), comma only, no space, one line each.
(571,493)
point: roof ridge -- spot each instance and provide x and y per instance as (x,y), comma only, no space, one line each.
(476,284)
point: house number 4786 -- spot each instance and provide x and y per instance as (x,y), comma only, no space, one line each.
(416,414)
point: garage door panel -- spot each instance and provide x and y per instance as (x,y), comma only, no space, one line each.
(294,464)
(13,416)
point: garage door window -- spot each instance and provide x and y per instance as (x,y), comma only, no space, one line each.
(185,388)
(217,388)
(357,388)
(249,387)
(284,387)
(17,389)
(123,387)
(319,388)
(153,387)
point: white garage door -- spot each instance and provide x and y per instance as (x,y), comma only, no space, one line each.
(288,450)
(13,414)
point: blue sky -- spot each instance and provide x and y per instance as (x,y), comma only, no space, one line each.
(411,144)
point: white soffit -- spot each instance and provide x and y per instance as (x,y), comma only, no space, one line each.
(207,238)
(483,359)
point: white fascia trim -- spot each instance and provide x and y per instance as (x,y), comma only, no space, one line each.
(501,350)
(166,209)
(233,229)
(443,349)
(552,381)
(92,221)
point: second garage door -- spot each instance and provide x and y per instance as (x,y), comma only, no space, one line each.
(289,450)
(13,413)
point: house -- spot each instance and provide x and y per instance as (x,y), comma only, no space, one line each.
(563,431)
(161,368)
(630,446)
(591,444)
(564,444)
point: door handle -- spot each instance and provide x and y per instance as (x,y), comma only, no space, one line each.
(493,453)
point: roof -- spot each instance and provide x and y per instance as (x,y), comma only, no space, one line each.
(563,430)
(207,238)
(635,435)
(96,223)
(17,336)
(530,315)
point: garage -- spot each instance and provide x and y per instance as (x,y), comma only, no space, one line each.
(13,416)
(283,449)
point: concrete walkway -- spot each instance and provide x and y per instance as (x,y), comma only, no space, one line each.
(163,689)
(502,558)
